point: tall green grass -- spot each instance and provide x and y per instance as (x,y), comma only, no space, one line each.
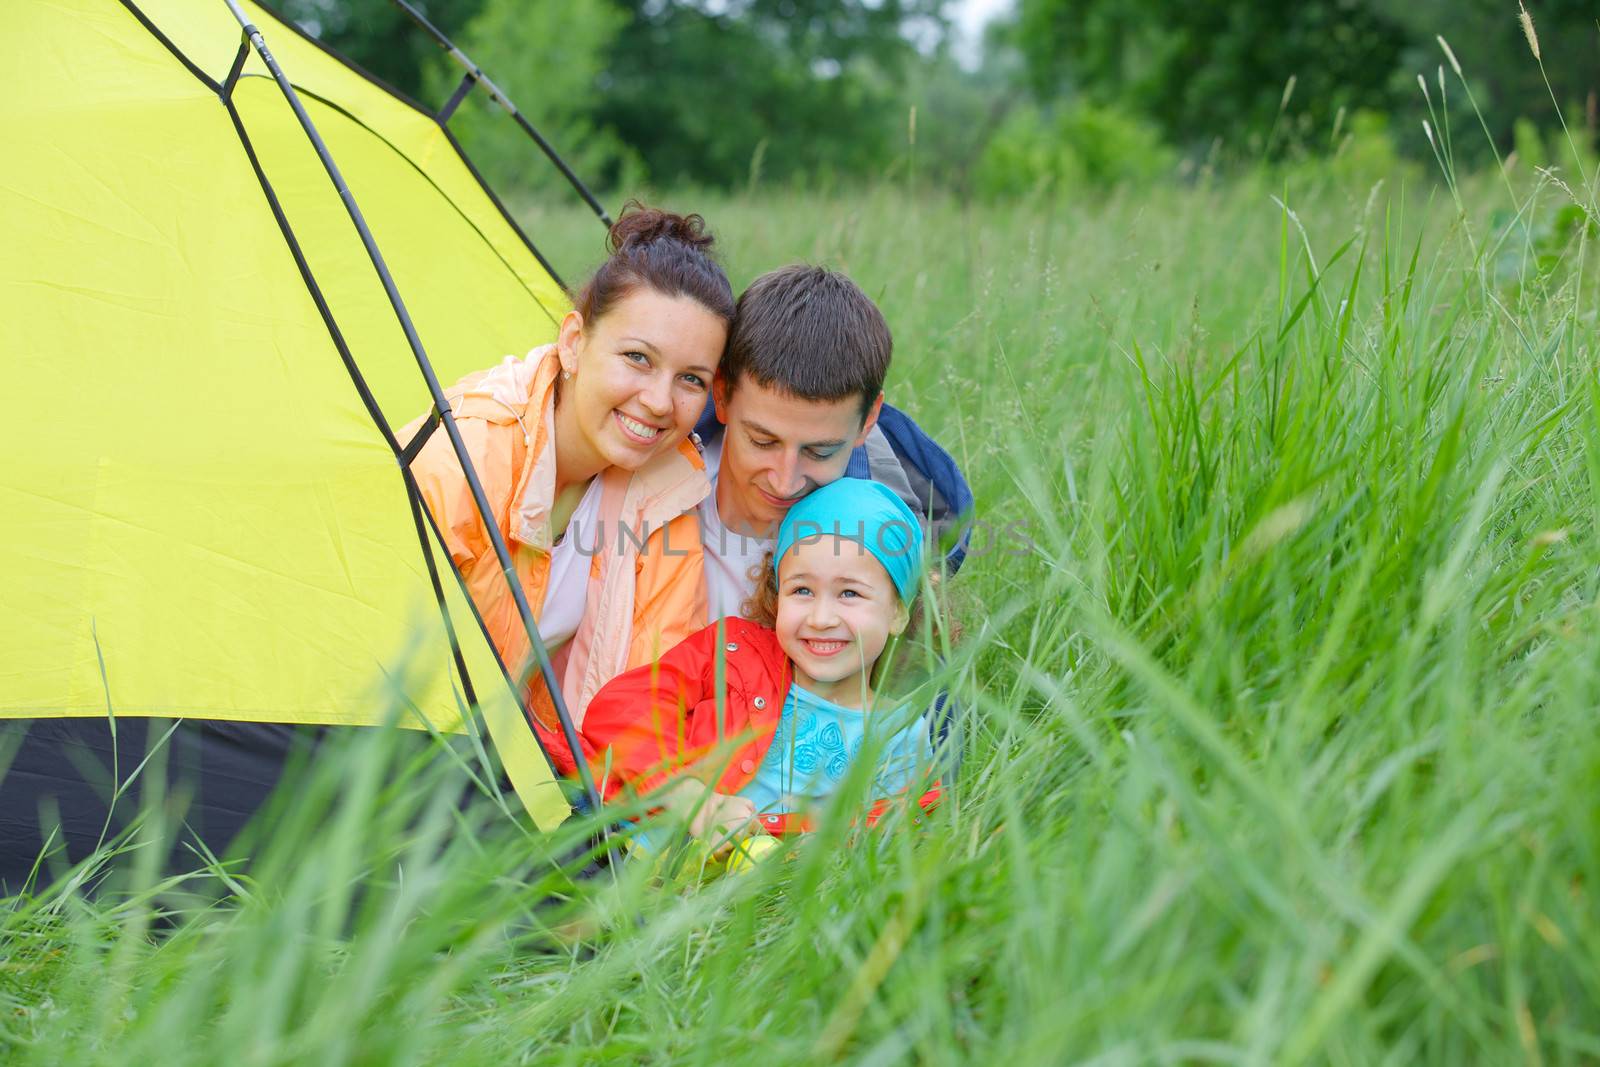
(1280,681)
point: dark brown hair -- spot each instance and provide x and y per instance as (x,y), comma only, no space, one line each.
(669,253)
(812,333)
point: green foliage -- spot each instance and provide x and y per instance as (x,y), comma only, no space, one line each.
(1364,152)
(1528,143)
(708,92)
(957,112)
(668,92)
(1224,70)
(1494,55)
(720,94)
(1570,151)
(1539,250)
(548,57)
(1367,149)
(378,37)
(1215,70)
(1078,146)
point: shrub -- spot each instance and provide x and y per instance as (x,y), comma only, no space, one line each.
(1078,145)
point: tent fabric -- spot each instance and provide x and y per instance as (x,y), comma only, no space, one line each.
(201,518)
(224,772)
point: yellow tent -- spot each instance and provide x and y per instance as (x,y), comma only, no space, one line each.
(200,517)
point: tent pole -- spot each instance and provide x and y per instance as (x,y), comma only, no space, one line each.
(440,403)
(404,454)
(476,74)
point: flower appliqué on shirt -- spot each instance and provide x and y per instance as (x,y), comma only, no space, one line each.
(816,743)
(812,748)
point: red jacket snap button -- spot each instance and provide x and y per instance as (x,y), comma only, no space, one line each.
(747,766)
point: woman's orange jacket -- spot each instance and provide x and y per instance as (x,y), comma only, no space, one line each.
(641,600)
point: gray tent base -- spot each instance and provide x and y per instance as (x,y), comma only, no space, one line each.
(217,775)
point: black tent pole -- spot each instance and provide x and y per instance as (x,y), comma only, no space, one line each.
(476,74)
(440,403)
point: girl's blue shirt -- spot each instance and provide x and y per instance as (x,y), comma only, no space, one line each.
(813,749)
(816,743)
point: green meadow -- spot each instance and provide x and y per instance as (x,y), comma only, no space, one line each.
(1279,670)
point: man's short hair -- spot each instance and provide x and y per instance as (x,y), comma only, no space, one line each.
(810,332)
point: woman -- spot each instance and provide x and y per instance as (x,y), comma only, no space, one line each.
(582,449)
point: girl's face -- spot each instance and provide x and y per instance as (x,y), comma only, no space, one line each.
(837,608)
(640,376)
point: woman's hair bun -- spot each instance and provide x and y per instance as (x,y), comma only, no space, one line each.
(639,225)
(663,251)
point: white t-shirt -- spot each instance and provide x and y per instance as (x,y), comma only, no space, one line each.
(732,560)
(567,591)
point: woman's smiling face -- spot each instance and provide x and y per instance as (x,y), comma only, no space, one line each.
(640,375)
(837,609)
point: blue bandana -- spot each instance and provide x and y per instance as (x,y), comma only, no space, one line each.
(866,512)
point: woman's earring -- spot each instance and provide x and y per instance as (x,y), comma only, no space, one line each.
(566,376)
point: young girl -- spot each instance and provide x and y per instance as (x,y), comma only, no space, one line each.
(799,698)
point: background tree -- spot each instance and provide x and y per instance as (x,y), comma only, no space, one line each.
(1508,85)
(549,56)
(698,91)
(1207,70)
(1069,92)
(1220,69)
(378,36)
(709,92)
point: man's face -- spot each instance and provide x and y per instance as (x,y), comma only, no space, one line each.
(777,448)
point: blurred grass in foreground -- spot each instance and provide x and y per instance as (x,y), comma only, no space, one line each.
(1282,678)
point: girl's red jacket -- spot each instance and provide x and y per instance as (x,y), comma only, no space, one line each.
(663,719)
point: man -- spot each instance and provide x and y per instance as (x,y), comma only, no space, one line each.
(798,403)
